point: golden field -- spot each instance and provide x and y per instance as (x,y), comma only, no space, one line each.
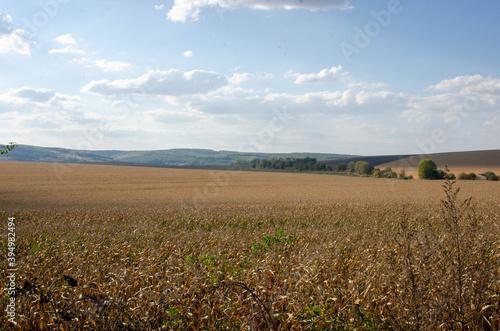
(109,247)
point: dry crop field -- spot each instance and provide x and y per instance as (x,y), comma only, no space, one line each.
(119,248)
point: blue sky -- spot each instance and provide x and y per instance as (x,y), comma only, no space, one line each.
(336,76)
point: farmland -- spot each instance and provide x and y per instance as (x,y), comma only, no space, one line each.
(112,247)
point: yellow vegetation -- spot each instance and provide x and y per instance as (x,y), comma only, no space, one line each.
(114,248)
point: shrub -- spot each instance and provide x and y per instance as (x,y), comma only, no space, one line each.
(341,167)
(465,176)
(391,174)
(362,167)
(491,176)
(427,169)
(350,166)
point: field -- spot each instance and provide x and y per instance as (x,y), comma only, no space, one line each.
(119,248)
(477,162)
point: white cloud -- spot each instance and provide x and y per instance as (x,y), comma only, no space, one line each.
(66,50)
(324,76)
(237,79)
(12,41)
(27,94)
(156,82)
(414,115)
(247,102)
(366,85)
(184,9)
(66,39)
(172,116)
(159,7)
(494,123)
(104,65)
(188,53)
(476,84)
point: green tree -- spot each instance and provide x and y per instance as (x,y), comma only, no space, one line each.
(264,163)
(363,168)
(4,149)
(427,169)
(465,176)
(491,176)
(341,167)
(350,166)
(254,163)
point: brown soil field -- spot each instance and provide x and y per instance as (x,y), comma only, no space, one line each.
(476,161)
(118,248)
(45,186)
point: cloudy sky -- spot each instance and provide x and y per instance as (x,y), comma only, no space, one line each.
(336,76)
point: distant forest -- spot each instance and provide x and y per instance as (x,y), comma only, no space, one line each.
(301,164)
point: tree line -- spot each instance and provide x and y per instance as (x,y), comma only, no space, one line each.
(427,169)
(301,164)
(364,168)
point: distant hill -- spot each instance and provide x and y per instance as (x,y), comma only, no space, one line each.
(170,157)
(373,160)
(457,162)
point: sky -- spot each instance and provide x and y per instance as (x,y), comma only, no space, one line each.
(331,76)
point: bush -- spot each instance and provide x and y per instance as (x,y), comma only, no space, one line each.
(491,176)
(465,176)
(350,166)
(427,169)
(362,167)
(386,173)
(391,174)
(341,167)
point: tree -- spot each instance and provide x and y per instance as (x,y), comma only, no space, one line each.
(427,169)
(491,176)
(254,163)
(350,166)
(465,176)
(320,167)
(341,167)
(4,149)
(363,168)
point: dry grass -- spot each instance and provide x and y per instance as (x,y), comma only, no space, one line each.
(120,248)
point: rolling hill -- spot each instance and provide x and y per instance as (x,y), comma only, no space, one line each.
(458,162)
(170,157)
(373,160)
